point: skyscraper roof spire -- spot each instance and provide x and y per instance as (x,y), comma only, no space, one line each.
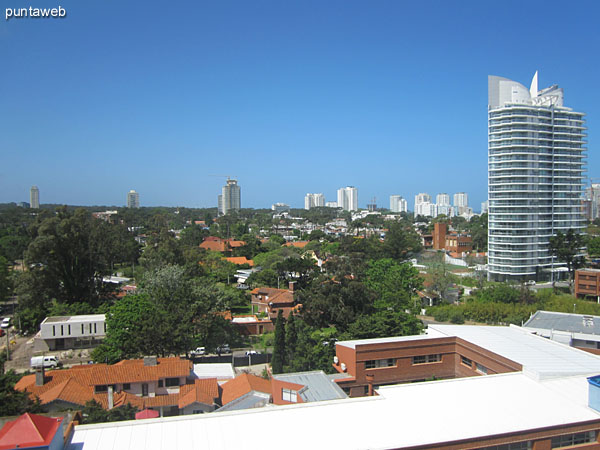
(533,90)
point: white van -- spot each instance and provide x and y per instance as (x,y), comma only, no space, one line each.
(47,362)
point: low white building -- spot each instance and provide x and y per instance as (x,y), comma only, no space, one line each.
(69,332)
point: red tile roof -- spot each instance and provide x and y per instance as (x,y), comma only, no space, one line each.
(297,244)
(220,245)
(242,384)
(276,296)
(29,430)
(205,391)
(76,385)
(240,260)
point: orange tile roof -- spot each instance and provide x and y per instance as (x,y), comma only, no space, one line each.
(242,384)
(205,391)
(240,260)
(297,244)
(276,296)
(220,245)
(76,385)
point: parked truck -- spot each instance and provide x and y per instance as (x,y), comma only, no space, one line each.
(47,362)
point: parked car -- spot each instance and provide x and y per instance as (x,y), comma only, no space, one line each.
(47,362)
(199,351)
(252,353)
(5,323)
(223,349)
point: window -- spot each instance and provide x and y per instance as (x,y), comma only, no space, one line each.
(144,389)
(90,327)
(62,330)
(525,445)
(105,327)
(568,440)
(466,361)
(424,359)
(95,328)
(377,363)
(82,329)
(169,382)
(69,330)
(126,386)
(100,388)
(288,395)
(160,383)
(481,369)
(53,330)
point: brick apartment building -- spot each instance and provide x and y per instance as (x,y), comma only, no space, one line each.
(271,300)
(587,283)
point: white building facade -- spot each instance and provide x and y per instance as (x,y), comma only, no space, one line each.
(70,332)
(536,152)
(314,200)
(398,204)
(34,197)
(230,198)
(133,199)
(347,198)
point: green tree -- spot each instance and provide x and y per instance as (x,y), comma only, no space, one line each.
(291,338)
(93,412)
(394,283)
(135,327)
(384,324)
(593,246)
(401,241)
(5,280)
(13,402)
(70,254)
(568,249)
(279,350)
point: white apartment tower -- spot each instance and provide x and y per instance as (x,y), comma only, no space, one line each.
(423,205)
(133,199)
(34,197)
(347,198)
(461,199)
(536,151)
(230,198)
(313,200)
(398,204)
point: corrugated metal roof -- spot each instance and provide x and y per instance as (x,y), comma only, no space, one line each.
(573,323)
(319,386)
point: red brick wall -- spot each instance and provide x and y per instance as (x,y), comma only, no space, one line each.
(450,366)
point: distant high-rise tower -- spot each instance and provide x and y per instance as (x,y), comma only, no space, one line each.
(398,203)
(231,197)
(347,198)
(423,205)
(34,197)
(133,199)
(461,199)
(313,200)
(535,177)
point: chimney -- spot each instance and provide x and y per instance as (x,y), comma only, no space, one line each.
(39,376)
(292,286)
(111,402)
(369,378)
(150,361)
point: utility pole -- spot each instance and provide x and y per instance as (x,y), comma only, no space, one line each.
(7,346)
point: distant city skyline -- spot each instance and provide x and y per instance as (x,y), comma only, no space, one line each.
(291,97)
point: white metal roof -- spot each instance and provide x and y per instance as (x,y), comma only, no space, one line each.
(219,371)
(352,344)
(403,416)
(540,357)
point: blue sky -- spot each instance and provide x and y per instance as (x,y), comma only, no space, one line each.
(289,96)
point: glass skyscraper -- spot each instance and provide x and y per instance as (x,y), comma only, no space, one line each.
(536,157)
